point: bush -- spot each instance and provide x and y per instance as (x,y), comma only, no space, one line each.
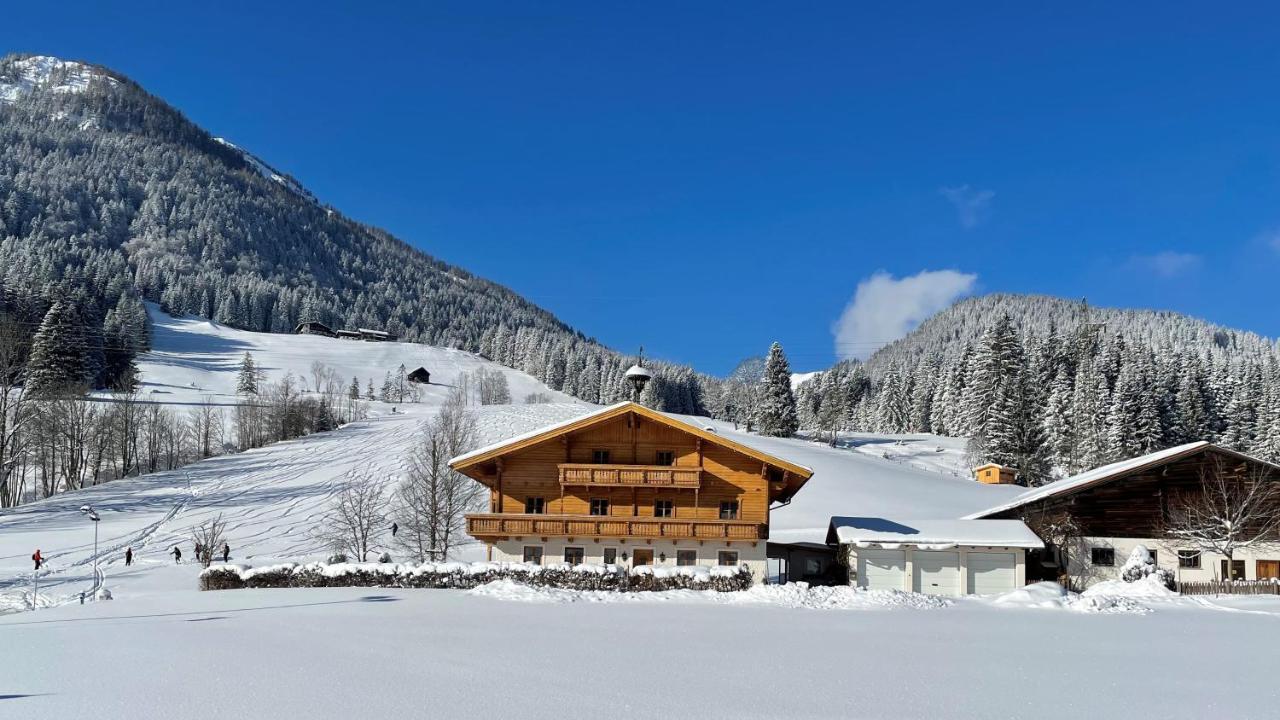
(1140,565)
(337,558)
(384,557)
(464,576)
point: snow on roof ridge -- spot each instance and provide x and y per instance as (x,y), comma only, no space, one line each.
(1088,477)
(933,531)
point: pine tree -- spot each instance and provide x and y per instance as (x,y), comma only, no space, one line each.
(60,356)
(247,380)
(353,392)
(369,393)
(777,411)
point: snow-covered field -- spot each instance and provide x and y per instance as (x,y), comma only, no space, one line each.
(163,649)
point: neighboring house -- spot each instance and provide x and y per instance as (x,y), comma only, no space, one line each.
(420,376)
(630,486)
(314,328)
(1099,516)
(348,335)
(935,557)
(376,335)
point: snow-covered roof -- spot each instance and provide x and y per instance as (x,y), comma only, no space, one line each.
(1094,476)
(935,533)
(638,371)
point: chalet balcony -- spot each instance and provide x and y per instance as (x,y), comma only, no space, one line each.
(658,476)
(496,526)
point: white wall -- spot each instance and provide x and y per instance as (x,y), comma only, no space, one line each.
(707,552)
(1084,573)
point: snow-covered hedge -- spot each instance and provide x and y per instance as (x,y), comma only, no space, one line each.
(456,575)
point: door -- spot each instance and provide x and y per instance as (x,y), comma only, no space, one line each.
(936,572)
(882,569)
(991,573)
(1267,569)
(642,556)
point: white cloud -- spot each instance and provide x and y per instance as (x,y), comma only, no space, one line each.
(884,308)
(1167,264)
(972,206)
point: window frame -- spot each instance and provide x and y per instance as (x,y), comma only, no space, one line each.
(686,551)
(540,553)
(1094,552)
(658,458)
(720,554)
(604,555)
(669,508)
(604,501)
(535,501)
(733,506)
(1190,559)
(581,553)
(598,453)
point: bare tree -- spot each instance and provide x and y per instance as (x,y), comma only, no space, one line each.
(431,502)
(354,517)
(1233,509)
(209,536)
(14,411)
(491,386)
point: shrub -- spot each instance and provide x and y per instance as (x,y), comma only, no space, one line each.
(337,558)
(384,557)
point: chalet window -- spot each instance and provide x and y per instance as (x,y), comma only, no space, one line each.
(663,508)
(1188,558)
(599,506)
(611,556)
(728,509)
(686,557)
(1154,560)
(534,506)
(574,555)
(727,557)
(600,457)
(533,554)
(812,566)
(1102,556)
(665,457)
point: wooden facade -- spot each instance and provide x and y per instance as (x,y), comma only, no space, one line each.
(630,473)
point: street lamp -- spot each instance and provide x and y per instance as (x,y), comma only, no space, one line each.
(89,512)
(639,376)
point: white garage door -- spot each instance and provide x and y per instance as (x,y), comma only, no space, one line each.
(936,573)
(991,573)
(882,569)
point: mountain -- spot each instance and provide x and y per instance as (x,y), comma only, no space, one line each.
(108,195)
(1052,386)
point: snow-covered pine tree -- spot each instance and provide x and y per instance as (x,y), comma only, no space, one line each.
(247,379)
(777,411)
(60,360)
(353,392)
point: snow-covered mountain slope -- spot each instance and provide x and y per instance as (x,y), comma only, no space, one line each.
(269,172)
(49,73)
(192,360)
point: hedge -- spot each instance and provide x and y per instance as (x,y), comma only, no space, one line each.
(464,576)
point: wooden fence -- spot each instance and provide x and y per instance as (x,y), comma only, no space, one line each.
(1230,587)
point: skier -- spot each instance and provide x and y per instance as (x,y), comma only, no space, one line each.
(128,557)
(38,558)
(226,552)
(177,554)
(395,528)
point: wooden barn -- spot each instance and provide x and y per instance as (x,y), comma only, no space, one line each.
(314,328)
(376,335)
(348,335)
(629,486)
(420,376)
(1094,520)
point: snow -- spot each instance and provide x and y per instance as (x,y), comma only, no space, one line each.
(41,71)
(1090,477)
(269,172)
(798,379)
(933,534)
(1149,587)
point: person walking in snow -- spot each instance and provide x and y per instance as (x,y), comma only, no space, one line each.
(38,559)
(226,552)
(395,528)
(128,556)
(177,554)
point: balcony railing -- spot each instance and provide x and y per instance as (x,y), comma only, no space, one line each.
(664,476)
(501,525)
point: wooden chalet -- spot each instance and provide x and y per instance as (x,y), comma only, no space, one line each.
(630,486)
(348,335)
(1116,507)
(369,335)
(420,376)
(314,328)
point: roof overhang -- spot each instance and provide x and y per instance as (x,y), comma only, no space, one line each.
(931,534)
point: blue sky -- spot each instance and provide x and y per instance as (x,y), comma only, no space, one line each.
(706,178)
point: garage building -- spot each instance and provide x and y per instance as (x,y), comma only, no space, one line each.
(935,557)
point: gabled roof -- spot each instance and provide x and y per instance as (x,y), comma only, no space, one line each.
(932,532)
(485,454)
(1110,473)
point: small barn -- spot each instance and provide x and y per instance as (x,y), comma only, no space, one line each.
(420,376)
(376,335)
(348,335)
(314,328)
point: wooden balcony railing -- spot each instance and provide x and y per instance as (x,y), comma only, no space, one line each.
(665,476)
(502,525)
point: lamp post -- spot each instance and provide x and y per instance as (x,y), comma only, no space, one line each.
(89,512)
(639,376)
